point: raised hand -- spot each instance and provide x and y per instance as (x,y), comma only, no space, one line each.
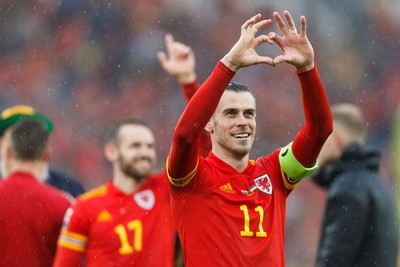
(243,53)
(179,61)
(297,49)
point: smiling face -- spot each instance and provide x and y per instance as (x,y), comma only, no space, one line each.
(233,125)
(134,151)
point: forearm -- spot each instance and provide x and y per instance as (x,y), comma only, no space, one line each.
(189,89)
(318,125)
(183,154)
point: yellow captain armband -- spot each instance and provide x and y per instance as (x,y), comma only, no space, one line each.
(181,182)
(294,170)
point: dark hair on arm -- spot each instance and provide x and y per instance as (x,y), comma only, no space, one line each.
(29,140)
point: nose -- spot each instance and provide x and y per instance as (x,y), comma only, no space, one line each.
(241,121)
(146,151)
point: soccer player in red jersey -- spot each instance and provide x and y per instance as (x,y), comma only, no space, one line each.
(229,210)
(55,178)
(31,212)
(128,221)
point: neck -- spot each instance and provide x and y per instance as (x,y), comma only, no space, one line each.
(37,169)
(238,162)
(126,184)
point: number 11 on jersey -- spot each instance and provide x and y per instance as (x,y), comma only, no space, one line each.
(247,232)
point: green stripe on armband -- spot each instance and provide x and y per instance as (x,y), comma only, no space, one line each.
(291,166)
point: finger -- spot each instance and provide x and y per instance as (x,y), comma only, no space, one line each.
(169,41)
(303,26)
(289,19)
(280,23)
(162,58)
(265,60)
(275,38)
(263,39)
(256,27)
(180,50)
(280,59)
(251,21)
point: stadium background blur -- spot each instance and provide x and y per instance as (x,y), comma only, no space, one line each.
(87,63)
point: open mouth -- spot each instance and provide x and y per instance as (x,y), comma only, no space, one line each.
(241,135)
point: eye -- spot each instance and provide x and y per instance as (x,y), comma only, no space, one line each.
(249,114)
(230,113)
(136,145)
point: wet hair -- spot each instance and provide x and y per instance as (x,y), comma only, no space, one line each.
(29,140)
(112,132)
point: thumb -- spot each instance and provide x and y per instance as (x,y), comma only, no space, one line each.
(280,59)
(265,60)
(162,58)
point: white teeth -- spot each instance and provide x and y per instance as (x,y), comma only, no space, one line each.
(244,135)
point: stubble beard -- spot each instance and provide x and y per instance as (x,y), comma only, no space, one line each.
(237,150)
(129,169)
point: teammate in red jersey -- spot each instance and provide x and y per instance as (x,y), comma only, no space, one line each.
(55,178)
(31,212)
(229,210)
(128,222)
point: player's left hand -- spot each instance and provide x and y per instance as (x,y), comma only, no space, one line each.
(297,49)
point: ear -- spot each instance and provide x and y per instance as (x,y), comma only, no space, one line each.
(209,127)
(340,139)
(110,152)
(9,153)
(48,154)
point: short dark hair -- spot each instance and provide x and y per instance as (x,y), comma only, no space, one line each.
(238,87)
(29,140)
(112,132)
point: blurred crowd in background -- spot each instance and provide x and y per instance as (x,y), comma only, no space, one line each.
(87,63)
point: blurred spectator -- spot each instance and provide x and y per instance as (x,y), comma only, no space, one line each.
(360,223)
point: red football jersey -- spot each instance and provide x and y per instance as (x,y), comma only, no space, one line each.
(31,215)
(115,229)
(230,218)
